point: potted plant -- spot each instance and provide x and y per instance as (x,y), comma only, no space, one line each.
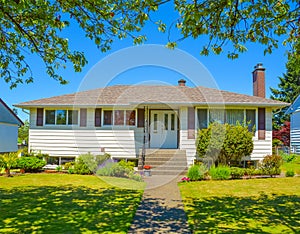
(147,170)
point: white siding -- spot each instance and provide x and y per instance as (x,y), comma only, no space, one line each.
(8,137)
(295,131)
(186,144)
(118,143)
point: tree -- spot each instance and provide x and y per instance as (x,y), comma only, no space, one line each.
(8,161)
(283,134)
(23,132)
(224,143)
(288,88)
(37,27)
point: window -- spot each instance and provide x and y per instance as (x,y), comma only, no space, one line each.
(155,122)
(61,117)
(119,117)
(250,119)
(217,115)
(234,116)
(230,116)
(172,121)
(107,117)
(72,117)
(202,118)
(130,118)
(166,121)
(50,117)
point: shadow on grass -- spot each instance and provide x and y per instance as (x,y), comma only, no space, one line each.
(67,209)
(263,214)
(153,216)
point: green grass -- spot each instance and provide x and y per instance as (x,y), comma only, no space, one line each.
(62,203)
(295,166)
(243,206)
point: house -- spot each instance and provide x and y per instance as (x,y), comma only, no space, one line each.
(121,120)
(9,124)
(294,111)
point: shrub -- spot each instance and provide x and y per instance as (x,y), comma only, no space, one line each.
(220,172)
(271,165)
(129,164)
(224,143)
(236,172)
(58,168)
(30,164)
(289,173)
(69,165)
(88,163)
(120,169)
(8,161)
(196,172)
(71,170)
(134,176)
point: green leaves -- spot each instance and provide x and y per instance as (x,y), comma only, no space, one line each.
(37,27)
(224,143)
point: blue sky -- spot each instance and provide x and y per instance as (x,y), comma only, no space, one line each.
(230,75)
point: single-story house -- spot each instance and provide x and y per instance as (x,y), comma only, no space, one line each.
(9,124)
(121,120)
(294,111)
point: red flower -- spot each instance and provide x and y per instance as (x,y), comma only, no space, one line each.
(147,167)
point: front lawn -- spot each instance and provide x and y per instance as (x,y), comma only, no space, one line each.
(62,203)
(293,166)
(243,206)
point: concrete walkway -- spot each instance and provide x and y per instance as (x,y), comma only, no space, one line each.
(161,209)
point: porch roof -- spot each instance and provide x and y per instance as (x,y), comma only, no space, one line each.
(149,94)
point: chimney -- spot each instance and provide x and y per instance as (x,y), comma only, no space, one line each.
(181,82)
(259,89)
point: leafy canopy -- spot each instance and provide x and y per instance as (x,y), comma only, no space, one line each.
(37,27)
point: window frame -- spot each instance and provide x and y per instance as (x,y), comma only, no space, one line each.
(244,109)
(55,117)
(113,119)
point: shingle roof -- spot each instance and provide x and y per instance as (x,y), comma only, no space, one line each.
(133,95)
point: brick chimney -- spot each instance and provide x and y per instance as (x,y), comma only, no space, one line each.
(259,81)
(181,82)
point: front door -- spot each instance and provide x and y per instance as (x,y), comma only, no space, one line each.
(163,129)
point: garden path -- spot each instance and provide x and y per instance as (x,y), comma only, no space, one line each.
(161,209)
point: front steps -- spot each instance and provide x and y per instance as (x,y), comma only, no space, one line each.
(165,161)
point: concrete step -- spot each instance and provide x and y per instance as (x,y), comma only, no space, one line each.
(157,162)
(168,172)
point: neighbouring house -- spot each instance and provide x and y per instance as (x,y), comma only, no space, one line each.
(9,124)
(122,120)
(294,111)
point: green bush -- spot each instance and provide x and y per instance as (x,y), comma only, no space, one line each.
(224,142)
(134,176)
(220,173)
(88,163)
(236,172)
(30,164)
(194,173)
(121,169)
(290,173)
(69,165)
(271,165)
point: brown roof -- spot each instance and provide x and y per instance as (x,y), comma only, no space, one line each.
(133,95)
